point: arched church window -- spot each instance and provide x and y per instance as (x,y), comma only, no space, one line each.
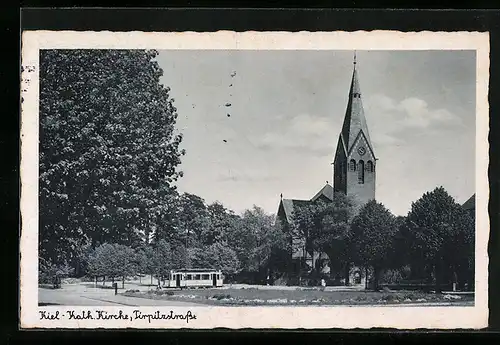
(361,172)
(369,166)
(352,165)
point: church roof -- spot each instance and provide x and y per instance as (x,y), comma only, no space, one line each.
(354,120)
(471,203)
(326,191)
(288,206)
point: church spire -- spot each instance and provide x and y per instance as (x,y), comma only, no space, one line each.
(354,120)
(354,167)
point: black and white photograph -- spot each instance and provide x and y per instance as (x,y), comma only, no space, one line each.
(331,180)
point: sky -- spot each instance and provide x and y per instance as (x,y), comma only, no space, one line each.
(286,110)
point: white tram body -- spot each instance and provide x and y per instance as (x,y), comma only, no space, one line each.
(193,278)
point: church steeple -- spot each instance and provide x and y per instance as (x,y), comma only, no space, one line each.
(354,165)
(354,120)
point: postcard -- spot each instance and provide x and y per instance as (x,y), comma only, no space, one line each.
(254,180)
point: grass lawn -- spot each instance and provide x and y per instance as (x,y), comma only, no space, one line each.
(258,297)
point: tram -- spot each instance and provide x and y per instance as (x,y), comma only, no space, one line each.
(195,278)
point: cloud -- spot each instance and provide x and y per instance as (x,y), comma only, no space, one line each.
(395,119)
(303,133)
(307,125)
(246,176)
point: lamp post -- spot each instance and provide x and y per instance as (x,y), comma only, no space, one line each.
(187,259)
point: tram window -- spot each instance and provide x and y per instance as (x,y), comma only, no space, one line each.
(189,277)
(197,277)
(205,276)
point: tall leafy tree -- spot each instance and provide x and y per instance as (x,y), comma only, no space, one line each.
(113,261)
(373,231)
(252,239)
(193,219)
(162,259)
(442,235)
(306,220)
(109,152)
(145,258)
(332,233)
(217,256)
(221,223)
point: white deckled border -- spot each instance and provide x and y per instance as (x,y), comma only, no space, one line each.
(256,317)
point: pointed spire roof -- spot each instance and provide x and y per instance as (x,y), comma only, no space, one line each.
(354,120)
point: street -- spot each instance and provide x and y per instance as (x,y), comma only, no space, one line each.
(87,295)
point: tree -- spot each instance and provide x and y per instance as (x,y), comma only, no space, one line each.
(221,222)
(50,273)
(252,239)
(324,227)
(332,232)
(217,256)
(373,231)
(306,220)
(442,234)
(108,148)
(112,260)
(193,219)
(146,261)
(277,248)
(162,260)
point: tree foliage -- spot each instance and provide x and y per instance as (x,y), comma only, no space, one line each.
(333,233)
(112,260)
(373,231)
(217,256)
(325,227)
(442,234)
(108,149)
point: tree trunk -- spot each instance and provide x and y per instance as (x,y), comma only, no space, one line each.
(366,277)
(123,282)
(437,276)
(95,282)
(140,279)
(103,281)
(455,278)
(346,273)
(376,277)
(151,279)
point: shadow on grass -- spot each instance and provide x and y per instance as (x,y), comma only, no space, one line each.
(46,304)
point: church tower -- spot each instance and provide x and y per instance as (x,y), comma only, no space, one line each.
(354,165)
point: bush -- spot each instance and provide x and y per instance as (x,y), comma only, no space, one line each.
(392,277)
(220,296)
(409,295)
(164,292)
(49,273)
(388,297)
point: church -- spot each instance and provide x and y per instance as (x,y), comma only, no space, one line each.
(354,173)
